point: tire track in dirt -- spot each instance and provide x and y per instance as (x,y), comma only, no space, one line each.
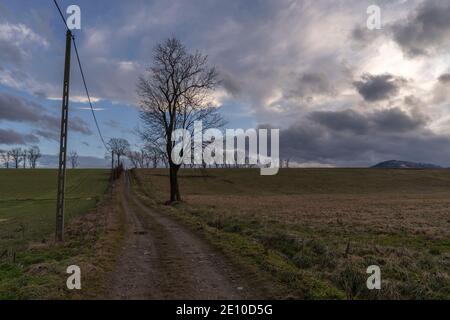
(161,259)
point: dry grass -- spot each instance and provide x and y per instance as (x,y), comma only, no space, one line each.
(333,223)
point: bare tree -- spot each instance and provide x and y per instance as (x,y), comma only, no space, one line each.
(73,158)
(133,157)
(119,147)
(147,157)
(174,94)
(137,158)
(24,158)
(5,156)
(16,155)
(33,155)
(156,154)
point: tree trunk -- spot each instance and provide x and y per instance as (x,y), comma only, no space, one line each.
(174,187)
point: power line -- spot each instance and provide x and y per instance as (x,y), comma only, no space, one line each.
(61,14)
(87,93)
(82,76)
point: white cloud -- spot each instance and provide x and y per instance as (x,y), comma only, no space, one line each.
(20,34)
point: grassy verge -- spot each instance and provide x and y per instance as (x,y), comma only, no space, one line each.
(32,266)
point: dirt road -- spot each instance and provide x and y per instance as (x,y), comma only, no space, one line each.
(161,259)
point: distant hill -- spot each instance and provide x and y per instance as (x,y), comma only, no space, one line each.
(395,164)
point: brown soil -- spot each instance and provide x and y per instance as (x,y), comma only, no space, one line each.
(161,259)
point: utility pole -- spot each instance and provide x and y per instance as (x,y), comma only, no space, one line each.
(59,235)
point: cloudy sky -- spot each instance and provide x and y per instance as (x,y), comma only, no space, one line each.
(342,94)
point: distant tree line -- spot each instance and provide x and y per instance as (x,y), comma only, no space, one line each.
(154,156)
(20,158)
(147,156)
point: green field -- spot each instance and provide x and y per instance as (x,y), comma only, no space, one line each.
(27,222)
(315,231)
(27,202)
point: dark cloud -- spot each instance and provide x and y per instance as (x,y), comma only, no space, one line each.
(312,83)
(230,84)
(49,135)
(426,31)
(389,120)
(347,120)
(363,36)
(351,138)
(77,124)
(444,78)
(11,137)
(16,109)
(396,120)
(379,87)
